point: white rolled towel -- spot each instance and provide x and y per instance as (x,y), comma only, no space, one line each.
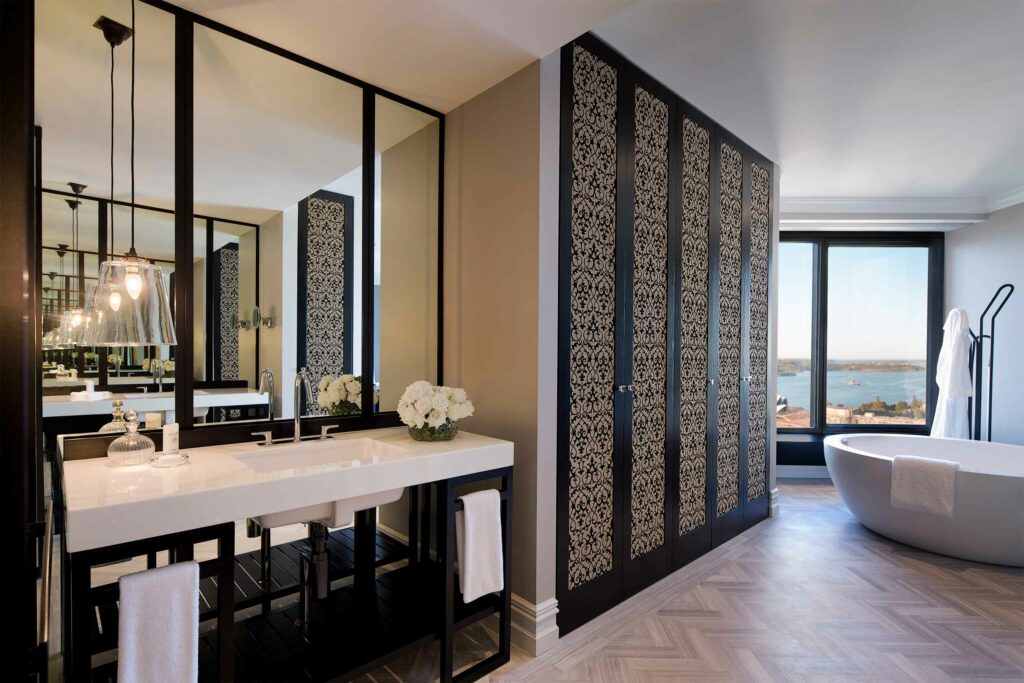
(924,484)
(158,625)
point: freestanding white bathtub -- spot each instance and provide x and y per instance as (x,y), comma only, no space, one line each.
(988,518)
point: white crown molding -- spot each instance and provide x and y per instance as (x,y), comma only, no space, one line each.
(884,205)
(534,627)
(1006,199)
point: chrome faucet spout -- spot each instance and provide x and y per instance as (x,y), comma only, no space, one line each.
(302,376)
(267,387)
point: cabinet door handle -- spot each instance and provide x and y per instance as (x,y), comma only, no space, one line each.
(711,382)
(623,388)
(746,379)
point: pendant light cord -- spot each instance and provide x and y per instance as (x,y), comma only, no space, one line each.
(112,149)
(134,40)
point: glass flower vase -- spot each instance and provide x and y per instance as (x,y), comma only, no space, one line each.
(445,432)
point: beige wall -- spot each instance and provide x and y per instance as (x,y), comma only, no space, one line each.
(408,264)
(980,258)
(491,280)
(199,320)
(246,301)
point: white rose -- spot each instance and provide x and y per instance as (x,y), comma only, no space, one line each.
(459,395)
(322,400)
(353,387)
(337,383)
(422,405)
(458,411)
(436,419)
(325,382)
(439,401)
(418,390)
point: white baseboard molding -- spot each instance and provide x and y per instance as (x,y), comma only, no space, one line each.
(773,503)
(534,627)
(802,472)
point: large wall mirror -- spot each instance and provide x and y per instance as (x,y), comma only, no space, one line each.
(315,224)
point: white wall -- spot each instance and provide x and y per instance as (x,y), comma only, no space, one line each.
(979,258)
(278,292)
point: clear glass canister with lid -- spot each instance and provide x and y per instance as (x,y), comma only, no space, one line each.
(117,423)
(132,448)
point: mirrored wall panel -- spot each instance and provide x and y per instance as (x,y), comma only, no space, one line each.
(405,277)
(85,139)
(278,164)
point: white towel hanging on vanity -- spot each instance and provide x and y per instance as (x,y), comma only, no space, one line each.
(953,375)
(478,544)
(158,625)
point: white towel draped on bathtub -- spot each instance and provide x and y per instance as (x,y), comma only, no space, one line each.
(923,484)
(954,378)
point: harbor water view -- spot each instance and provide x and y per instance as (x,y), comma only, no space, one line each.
(873,392)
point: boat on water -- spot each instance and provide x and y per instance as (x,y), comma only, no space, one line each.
(853,382)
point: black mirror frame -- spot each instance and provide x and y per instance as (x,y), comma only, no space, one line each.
(185,22)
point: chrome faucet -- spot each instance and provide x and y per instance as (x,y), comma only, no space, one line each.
(157,366)
(301,376)
(267,385)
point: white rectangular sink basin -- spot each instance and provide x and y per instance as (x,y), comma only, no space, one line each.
(340,452)
(328,453)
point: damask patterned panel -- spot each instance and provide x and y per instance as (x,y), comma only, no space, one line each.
(650,324)
(693,366)
(592,318)
(760,233)
(225,310)
(730,296)
(324,346)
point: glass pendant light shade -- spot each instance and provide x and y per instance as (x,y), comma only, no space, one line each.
(120,319)
(67,334)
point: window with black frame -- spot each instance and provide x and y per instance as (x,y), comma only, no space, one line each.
(858,321)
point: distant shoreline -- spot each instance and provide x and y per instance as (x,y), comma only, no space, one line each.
(789,367)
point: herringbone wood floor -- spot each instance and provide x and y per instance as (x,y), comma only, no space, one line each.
(807,596)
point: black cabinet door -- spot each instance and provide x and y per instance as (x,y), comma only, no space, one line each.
(645,337)
(697,334)
(591,302)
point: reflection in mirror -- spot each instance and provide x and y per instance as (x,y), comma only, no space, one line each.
(405,249)
(224,280)
(277,146)
(73,113)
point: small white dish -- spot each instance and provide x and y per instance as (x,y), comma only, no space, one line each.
(170,460)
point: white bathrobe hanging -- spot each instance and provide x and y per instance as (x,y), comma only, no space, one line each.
(953,375)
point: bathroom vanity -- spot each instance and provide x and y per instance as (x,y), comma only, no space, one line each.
(116,513)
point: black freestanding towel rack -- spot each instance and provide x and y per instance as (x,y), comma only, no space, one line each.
(986,330)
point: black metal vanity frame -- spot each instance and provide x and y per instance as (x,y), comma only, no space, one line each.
(352,632)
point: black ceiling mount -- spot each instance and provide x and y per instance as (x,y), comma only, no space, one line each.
(73,203)
(115,32)
(77,188)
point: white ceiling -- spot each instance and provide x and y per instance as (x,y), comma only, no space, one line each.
(854,99)
(440,53)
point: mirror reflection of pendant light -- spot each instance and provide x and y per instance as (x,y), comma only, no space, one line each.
(143,317)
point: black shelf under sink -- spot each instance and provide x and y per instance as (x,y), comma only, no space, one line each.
(284,580)
(352,631)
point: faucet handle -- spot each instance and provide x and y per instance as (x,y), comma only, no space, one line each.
(324,429)
(268,438)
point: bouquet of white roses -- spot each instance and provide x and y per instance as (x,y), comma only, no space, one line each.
(431,412)
(341,395)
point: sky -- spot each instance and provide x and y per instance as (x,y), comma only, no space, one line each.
(877,302)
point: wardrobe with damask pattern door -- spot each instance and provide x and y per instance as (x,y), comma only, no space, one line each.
(665,231)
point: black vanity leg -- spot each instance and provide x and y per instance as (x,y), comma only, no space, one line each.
(265,548)
(365,551)
(505,626)
(446,547)
(80,654)
(414,524)
(226,602)
(425,525)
